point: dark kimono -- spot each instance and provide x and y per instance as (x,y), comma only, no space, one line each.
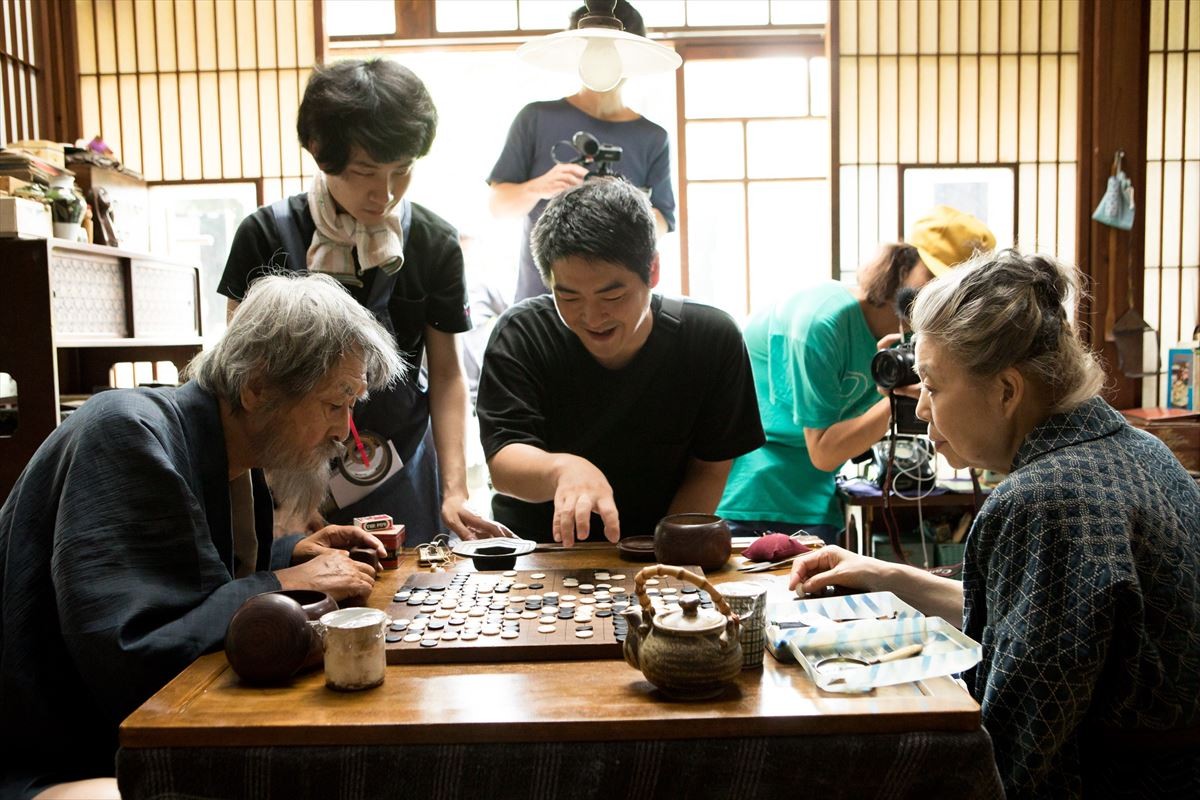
(116,565)
(1082,581)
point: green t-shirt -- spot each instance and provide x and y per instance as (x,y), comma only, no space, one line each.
(811,356)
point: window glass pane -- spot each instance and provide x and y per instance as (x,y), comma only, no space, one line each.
(743,87)
(799,12)
(661,13)
(716,245)
(195,224)
(714,151)
(789,238)
(818,86)
(476,15)
(986,192)
(552,15)
(797,148)
(360,17)
(723,12)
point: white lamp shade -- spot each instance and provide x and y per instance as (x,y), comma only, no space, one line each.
(601,56)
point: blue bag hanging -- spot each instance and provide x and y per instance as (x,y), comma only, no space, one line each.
(1116,207)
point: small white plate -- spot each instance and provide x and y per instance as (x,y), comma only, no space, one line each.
(511,547)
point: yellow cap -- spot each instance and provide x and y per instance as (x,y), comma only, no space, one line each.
(946,237)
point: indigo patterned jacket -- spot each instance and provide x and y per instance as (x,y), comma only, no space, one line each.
(1082,581)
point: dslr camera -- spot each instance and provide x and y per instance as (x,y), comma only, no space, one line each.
(588,151)
(895,367)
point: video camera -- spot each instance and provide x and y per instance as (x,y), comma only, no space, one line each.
(896,366)
(589,152)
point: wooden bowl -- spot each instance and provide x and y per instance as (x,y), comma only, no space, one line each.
(700,539)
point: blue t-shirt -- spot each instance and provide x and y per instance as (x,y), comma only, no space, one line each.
(645,162)
(811,356)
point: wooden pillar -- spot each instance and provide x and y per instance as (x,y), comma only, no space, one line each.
(59,105)
(1113,55)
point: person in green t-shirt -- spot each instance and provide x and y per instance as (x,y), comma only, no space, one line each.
(811,356)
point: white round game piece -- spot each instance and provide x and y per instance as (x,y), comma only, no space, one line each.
(670,590)
(566,604)
(547,628)
(652,582)
(509,634)
(584,634)
(490,630)
(618,590)
(428,609)
(537,576)
(413,637)
(517,587)
(477,611)
(469,636)
(616,577)
(587,600)
(566,598)
(569,582)
(533,598)
(550,596)
(547,620)
(443,613)
(457,619)
(603,604)
(529,615)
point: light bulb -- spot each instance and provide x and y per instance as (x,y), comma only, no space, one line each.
(600,65)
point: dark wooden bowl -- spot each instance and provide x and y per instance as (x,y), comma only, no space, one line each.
(686,539)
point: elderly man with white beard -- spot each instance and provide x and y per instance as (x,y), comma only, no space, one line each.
(143,522)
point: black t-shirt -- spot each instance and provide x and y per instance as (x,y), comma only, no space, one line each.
(430,289)
(688,393)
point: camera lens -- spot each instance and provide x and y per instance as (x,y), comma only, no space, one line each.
(894,367)
(585,143)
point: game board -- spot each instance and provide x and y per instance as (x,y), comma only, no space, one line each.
(462,616)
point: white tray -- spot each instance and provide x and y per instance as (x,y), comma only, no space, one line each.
(946,651)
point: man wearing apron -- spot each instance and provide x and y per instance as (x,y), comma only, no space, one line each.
(366,123)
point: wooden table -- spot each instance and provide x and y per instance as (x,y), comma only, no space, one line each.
(582,727)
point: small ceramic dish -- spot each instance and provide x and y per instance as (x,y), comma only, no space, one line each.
(493,554)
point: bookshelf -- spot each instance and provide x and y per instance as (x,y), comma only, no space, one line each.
(70,312)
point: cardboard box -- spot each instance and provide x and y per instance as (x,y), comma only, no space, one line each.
(10,184)
(24,219)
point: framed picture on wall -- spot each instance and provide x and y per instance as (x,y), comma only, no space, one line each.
(989,192)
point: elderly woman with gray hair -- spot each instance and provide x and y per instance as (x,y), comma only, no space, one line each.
(1082,570)
(143,523)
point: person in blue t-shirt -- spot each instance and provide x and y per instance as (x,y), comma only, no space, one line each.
(526,175)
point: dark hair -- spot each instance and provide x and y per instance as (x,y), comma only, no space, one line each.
(883,276)
(628,15)
(376,105)
(1004,309)
(605,219)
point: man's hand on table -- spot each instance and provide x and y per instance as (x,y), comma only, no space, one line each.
(322,562)
(580,491)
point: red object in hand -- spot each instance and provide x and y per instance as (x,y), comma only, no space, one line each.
(774,547)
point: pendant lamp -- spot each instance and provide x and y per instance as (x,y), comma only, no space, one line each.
(600,50)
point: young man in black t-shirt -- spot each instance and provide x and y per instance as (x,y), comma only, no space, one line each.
(603,399)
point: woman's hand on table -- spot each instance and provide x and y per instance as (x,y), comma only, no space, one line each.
(831,565)
(467,523)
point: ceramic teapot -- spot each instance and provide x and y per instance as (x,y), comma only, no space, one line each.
(689,653)
(274,635)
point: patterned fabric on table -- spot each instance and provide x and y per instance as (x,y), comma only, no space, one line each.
(829,766)
(1082,581)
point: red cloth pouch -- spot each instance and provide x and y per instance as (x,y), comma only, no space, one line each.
(774,547)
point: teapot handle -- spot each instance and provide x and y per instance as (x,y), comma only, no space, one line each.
(682,574)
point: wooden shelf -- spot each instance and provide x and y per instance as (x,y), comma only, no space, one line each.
(74,311)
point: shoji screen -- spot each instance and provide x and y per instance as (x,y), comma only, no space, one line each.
(198,90)
(956,83)
(1172,202)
